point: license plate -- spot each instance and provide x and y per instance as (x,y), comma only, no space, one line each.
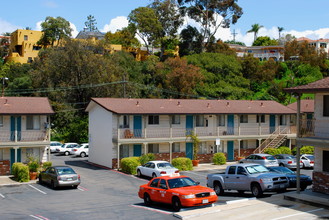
(205,201)
(69,179)
(175,174)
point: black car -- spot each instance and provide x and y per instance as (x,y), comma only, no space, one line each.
(60,176)
(292,176)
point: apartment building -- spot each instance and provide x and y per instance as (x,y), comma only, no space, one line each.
(263,53)
(121,128)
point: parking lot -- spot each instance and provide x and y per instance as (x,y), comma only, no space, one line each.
(103,194)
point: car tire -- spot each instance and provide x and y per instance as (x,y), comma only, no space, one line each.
(53,185)
(304,166)
(75,186)
(176,205)
(139,174)
(147,199)
(83,154)
(281,165)
(67,153)
(218,188)
(302,188)
(256,190)
(40,180)
(154,175)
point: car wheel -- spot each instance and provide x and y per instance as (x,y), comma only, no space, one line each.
(75,186)
(302,188)
(40,180)
(256,190)
(53,185)
(154,175)
(176,205)
(281,165)
(147,199)
(139,174)
(83,154)
(218,188)
(67,153)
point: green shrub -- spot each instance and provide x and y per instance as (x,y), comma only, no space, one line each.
(182,163)
(47,164)
(129,164)
(272,151)
(219,159)
(21,172)
(33,166)
(146,158)
(284,150)
(303,150)
(294,151)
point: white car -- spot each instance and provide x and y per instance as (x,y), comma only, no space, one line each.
(54,145)
(308,160)
(157,168)
(82,150)
(66,148)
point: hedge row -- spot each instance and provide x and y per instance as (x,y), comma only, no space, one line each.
(21,172)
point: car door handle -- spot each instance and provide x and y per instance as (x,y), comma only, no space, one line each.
(226,177)
(238,177)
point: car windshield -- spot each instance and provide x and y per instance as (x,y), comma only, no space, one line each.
(256,169)
(181,182)
(65,170)
(311,157)
(270,158)
(284,170)
(164,166)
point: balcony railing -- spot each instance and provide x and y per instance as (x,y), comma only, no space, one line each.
(23,136)
(200,131)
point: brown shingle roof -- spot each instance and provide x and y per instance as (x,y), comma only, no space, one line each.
(190,106)
(321,85)
(306,106)
(25,105)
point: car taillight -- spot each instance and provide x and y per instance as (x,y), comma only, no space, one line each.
(301,161)
(78,176)
(312,162)
(163,172)
(75,150)
(289,162)
(58,178)
(264,158)
(177,171)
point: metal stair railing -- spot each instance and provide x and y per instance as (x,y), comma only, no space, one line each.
(271,140)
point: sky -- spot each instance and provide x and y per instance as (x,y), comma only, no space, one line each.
(301,18)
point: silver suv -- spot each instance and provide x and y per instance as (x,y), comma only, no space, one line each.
(266,160)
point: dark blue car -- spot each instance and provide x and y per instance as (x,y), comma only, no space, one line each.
(292,176)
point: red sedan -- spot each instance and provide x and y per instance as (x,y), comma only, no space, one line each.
(179,191)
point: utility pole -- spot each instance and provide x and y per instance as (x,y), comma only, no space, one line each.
(234,34)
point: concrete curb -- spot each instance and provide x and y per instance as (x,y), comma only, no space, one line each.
(308,200)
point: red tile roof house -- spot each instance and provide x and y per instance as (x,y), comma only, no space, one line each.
(317,134)
(24,130)
(121,128)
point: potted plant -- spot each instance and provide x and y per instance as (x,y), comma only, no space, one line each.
(33,165)
(196,142)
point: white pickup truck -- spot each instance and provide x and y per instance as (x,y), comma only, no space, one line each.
(247,177)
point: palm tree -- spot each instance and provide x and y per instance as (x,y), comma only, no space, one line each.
(280,29)
(255,28)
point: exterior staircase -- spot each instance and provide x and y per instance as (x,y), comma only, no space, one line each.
(273,141)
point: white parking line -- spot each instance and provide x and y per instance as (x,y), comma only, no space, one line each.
(2,195)
(37,189)
(195,173)
(39,217)
(302,213)
(152,209)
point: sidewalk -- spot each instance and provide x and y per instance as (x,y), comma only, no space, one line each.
(211,166)
(9,181)
(310,198)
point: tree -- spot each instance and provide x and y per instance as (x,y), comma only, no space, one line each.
(220,47)
(265,41)
(280,29)
(147,25)
(211,15)
(54,29)
(91,23)
(254,29)
(4,45)
(125,37)
(235,42)
(191,41)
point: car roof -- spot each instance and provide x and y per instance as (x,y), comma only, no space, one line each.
(56,167)
(170,177)
(262,154)
(159,161)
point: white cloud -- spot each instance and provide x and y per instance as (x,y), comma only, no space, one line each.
(116,24)
(7,27)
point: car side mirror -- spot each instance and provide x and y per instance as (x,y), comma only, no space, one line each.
(198,183)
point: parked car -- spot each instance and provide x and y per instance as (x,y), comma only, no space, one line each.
(292,176)
(179,191)
(54,145)
(307,160)
(157,168)
(287,160)
(263,159)
(247,177)
(59,176)
(82,150)
(66,148)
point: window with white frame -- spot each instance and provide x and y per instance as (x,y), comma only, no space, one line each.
(260,118)
(326,105)
(221,120)
(175,119)
(199,121)
(153,119)
(126,121)
(153,148)
(203,148)
(283,120)
(243,144)
(124,151)
(33,122)
(176,147)
(243,118)
(1,121)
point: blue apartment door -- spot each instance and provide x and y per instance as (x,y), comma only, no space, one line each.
(12,156)
(230,150)
(15,125)
(189,150)
(189,124)
(230,124)
(137,126)
(272,123)
(137,150)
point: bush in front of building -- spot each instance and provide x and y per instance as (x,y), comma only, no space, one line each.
(146,158)
(21,172)
(129,165)
(272,151)
(219,158)
(47,164)
(304,150)
(182,163)
(284,150)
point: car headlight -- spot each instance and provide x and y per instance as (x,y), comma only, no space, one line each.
(292,178)
(266,179)
(212,193)
(192,196)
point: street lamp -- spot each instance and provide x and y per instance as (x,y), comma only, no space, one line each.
(3,85)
